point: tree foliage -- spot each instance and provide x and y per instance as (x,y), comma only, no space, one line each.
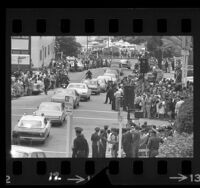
(180,145)
(184,121)
(67,45)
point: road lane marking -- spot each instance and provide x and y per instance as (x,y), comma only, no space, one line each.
(18,108)
(97,111)
(54,152)
(95,118)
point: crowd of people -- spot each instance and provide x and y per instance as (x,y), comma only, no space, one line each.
(137,141)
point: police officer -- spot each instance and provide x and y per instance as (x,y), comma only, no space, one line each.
(46,84)
(80,147)
(153,143)
(104,140)
(95,143)
(127,143)
(88,74)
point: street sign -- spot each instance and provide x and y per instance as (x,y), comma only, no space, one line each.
(69,104)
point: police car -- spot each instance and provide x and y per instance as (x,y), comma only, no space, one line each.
(31,128)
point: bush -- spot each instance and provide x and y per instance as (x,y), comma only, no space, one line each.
(184,120)
(180,145)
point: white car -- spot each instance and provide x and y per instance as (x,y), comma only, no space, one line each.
(103,83)
(26,152)
(82,90)
(53,111)
(31,128)
(60,95)
(112,76)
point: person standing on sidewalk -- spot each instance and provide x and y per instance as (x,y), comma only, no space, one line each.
(80,147)
(95,143)
(153,144)
(46,84)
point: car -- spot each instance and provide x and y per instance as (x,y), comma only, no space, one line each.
(59,96)
(116,64)
(82,90)
(125,64)
(53,111)
(26,152)
(93,85)
(113,71)
(102,83)
(132,63)
(31,128)
(80,66)
(112,76)
(106,78)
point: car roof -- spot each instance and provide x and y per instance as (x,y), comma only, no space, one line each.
(25,149)
(32,117)
(51,103)
(78,83)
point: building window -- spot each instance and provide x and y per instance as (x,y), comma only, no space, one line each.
(40,55)
(45,52)
(48,49)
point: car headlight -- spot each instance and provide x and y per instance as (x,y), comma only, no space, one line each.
(41,134)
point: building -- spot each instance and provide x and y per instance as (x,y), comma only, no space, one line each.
(31,52)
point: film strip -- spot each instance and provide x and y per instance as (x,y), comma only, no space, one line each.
(105,22)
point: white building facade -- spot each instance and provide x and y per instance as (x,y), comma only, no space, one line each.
(31,52)
(42,50)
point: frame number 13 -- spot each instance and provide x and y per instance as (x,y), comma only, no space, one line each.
(195,177)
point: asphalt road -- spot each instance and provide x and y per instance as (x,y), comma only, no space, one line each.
(88,115)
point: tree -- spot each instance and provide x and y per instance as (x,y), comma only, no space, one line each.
(67,45)
(184,121)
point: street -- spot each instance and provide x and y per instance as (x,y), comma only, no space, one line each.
(88,115)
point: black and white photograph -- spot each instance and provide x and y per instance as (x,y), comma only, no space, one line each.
(101,97)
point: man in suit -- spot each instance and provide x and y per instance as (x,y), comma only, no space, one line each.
(80,147)
(95,143)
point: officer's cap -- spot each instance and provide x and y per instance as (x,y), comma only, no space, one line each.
(97,129)
(78,129)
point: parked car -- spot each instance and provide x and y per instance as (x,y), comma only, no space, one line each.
(31,128)
(26,152)
(59,96)
(102,83)
(93,85)
(53,111)
(82,90)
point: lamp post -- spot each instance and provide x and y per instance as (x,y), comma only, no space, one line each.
(120,128)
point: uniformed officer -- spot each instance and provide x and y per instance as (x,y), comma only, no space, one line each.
(95,143)
(80,148)
(153,143)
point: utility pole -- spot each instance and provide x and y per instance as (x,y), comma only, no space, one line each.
(120,128)
(185,54)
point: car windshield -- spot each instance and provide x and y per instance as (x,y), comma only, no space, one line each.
(35,124)
(69,92)
(79,86)
(18,154)
(93,82)
(49,107)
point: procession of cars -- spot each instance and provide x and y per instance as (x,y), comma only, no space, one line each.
(36,127)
